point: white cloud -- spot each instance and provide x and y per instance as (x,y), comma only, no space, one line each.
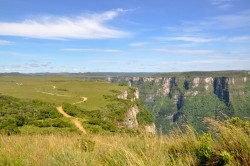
(222,4)
(185,51)
(4,42)
(239,39)
(190,39)
(91,26)
(239,20)
(230,21)
(109,61)
(195,39)
(92,50)
(138,44)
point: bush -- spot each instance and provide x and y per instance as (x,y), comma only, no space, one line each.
(204,151)
(144,117)
(106,125)
(224,158)
(9,126)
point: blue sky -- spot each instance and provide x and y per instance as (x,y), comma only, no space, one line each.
(124,36)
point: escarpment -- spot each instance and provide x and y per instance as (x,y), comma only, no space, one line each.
(190,98)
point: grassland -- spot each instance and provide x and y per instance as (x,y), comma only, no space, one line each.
(32,132)
(229,146)
(59,89)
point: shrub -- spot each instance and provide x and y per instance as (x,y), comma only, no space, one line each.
(204,151)
(224,158)
(145,117)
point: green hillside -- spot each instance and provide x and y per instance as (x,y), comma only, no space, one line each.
(28,105)
(59,89)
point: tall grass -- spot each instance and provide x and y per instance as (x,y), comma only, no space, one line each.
(230,145)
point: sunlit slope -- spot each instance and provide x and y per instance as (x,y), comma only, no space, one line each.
(59,89)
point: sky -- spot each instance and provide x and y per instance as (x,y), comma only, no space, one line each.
(124,36)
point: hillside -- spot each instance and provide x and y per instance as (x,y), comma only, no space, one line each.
(28,106)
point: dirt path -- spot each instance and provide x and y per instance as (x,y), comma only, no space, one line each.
(52,94)
(83,100)
(76,122)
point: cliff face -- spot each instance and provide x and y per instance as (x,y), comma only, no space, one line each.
(131,117)
(190,98)
(221,89)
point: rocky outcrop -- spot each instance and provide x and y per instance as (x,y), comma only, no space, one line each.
(130,119)
(245,79)
(150,128)
(208,83)
(123,95)
(166,85)
(196,82)
(136,94)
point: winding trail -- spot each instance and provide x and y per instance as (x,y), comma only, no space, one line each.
(52,94)
(76,122)
(83,100)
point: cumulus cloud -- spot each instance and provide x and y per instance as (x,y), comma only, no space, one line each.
(91,26)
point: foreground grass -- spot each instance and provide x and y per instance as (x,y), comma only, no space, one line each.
(230,146)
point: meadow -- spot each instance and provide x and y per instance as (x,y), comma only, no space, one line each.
(59,89)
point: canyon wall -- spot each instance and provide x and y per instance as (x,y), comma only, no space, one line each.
(191,98)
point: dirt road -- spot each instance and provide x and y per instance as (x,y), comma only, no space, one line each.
(83,100)
(52,94)
(76,122)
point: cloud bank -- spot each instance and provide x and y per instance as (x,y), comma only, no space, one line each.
(91,26)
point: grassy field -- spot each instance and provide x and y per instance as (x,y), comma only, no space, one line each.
(36,134)
(229,146)
(58,89)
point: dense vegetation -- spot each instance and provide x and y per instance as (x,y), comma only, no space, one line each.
(16,113)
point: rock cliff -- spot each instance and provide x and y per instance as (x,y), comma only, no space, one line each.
(131,117)
(171,98)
